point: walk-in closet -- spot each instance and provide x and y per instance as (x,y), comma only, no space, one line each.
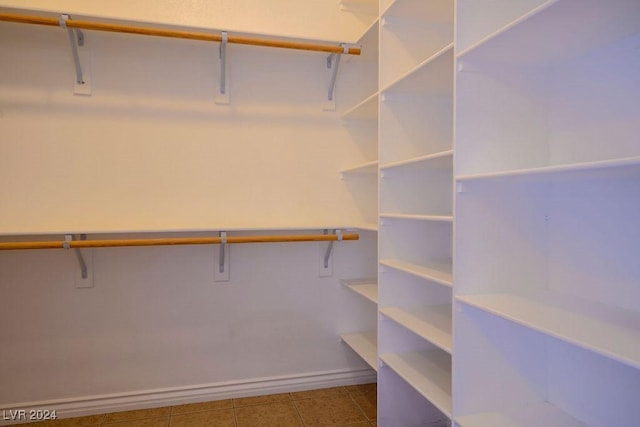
(389,213)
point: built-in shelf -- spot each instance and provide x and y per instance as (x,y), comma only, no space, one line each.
(415,205)
(441,273)
(612,333)
(437,218)
(432,323)
(511,24)
(547,157)
(441,160)
(433,76)
(429,373)
(599,169)
(364,110)
(476,22)
(368,167)
(534,415)
(368,288)
(365,345)
(571,27)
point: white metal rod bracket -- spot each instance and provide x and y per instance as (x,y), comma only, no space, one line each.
(223,91)
(333,62)
(221,273)
(334,73)
(327,254)
(76,38)
(223,245)
(326,264)
(84,278)
(83,265)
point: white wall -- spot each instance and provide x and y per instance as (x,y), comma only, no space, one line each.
(149,150)
(156,319)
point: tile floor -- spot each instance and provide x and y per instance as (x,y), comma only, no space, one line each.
(353,406)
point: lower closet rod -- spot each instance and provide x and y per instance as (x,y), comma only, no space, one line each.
(175,241)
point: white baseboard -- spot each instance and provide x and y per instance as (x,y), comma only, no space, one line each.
(142,399)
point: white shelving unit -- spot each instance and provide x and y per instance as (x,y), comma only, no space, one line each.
(547,326)
(367,288)
(415,211)
(432,323)
(428,372)
(437,274)
(365,344)
(412,31)
(358,101)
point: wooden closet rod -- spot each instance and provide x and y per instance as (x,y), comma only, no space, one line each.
(175,241)
(192,35)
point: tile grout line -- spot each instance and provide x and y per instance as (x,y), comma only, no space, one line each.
(297,410)
(358,405)
(235,416)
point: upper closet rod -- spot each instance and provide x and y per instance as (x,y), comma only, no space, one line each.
(176,241)
(193,35)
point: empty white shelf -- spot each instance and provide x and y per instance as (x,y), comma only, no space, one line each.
(599,169)
(433,323)
(476,21)
(433,76)
(512,23)
(367,167)
(594,327)
(365,345)
(368,288)
(571,27)
(437,218)
(441,274)
(365,110)
(441,160)
(429,373)
(535,415)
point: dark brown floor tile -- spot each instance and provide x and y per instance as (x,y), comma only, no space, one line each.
(367,401)
(262,400)
(316,394)
(148,422)
(88,421)
(329,411)
(282,414)
(202,407)
(362,388)
(139,414)
(221,418)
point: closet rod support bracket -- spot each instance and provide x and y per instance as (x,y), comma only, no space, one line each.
(333,62)
(221,274)
(223,91)
(326,266)
(77,41)
(83,278)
